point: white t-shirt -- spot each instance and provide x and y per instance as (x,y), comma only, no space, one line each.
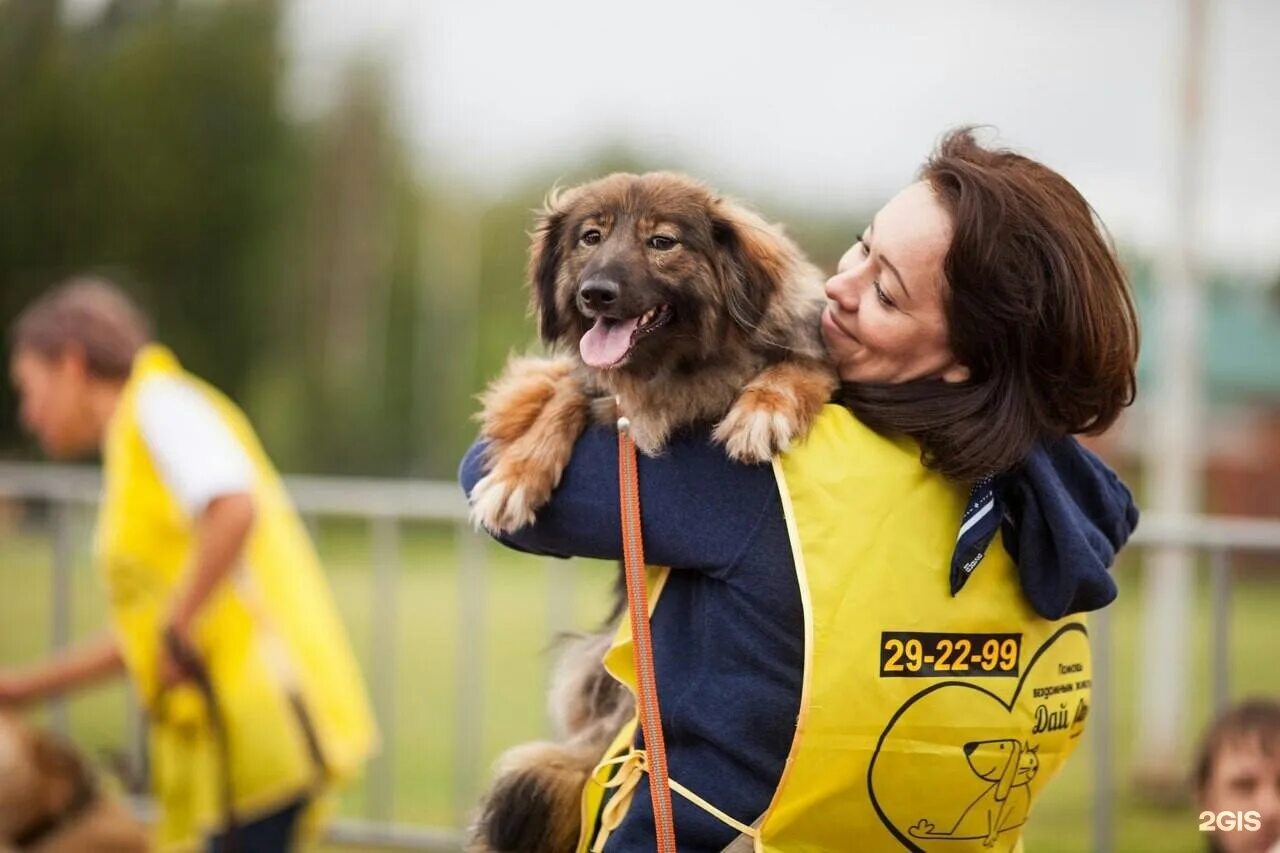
(194,451)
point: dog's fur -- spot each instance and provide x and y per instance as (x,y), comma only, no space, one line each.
(44,781)
(734,342)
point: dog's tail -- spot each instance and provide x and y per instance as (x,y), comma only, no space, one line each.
(535,805)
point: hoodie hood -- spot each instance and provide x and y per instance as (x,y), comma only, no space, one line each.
(1064,515)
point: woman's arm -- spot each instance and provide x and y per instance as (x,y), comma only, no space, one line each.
(77,668)
(221,533)
(698,508)
(208,472)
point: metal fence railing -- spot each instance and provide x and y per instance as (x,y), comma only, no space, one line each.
(387,504)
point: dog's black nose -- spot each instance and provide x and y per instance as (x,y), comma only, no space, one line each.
(598,294)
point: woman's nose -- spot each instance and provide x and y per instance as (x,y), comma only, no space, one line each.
(842,289)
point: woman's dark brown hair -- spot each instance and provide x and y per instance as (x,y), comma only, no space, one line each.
(91,314)
(1037,308)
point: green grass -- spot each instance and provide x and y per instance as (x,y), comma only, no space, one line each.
(513,666)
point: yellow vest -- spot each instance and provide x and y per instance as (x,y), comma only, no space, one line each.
(271,624)
(927,722)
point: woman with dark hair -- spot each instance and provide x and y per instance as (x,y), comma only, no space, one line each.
(1023,291)
(872,643)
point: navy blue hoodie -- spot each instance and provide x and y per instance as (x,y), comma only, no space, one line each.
(728,629)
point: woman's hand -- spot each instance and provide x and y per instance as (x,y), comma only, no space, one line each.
(15,690)
(171,671)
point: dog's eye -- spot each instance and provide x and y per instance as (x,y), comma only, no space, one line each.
(662,242)
(590,237)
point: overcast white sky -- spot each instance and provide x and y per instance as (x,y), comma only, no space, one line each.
(831,104)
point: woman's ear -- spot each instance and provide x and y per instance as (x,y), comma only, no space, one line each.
(73,361)
(545,255)
(756,261)
(957,372)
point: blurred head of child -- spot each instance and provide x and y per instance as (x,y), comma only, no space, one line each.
(1238,772)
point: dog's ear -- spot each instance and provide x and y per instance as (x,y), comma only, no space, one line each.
(757,261)
(62,770)
(545,255)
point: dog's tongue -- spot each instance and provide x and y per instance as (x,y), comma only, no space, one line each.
(606,343)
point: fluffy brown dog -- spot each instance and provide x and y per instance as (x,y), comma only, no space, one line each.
(50,803)
(680,307)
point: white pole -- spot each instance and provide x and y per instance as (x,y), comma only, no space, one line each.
(1174,459)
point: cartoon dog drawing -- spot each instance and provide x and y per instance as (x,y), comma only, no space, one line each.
(1009,765)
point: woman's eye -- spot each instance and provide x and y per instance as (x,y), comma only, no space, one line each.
(590,237)
(882,296)
(662,242)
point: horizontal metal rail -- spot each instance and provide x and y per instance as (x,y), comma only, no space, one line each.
(433,500)
(420,500)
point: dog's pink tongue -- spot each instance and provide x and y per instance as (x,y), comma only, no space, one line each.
(606,343)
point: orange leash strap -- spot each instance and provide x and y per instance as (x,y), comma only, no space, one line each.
(641,641)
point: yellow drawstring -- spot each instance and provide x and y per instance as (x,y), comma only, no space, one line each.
(713,811)
(631,767)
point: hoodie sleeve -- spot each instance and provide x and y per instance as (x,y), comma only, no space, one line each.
(699,508)
(1066,516)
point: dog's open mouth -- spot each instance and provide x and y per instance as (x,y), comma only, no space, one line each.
(610,340)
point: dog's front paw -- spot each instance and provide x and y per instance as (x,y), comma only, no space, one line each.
(775,409)
(922,829)
(500,505)
(762,422)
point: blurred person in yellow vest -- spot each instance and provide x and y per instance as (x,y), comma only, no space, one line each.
(220,613)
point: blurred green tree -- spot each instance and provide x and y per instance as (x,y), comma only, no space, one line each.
(148,145)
